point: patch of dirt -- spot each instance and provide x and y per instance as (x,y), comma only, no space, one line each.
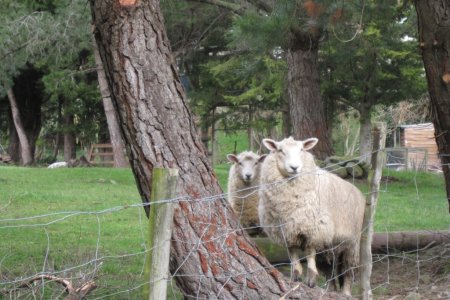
(414,275)
(423,274)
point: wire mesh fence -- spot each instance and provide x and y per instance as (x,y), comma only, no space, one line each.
(45,256)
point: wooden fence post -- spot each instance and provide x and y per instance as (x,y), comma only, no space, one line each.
(164,183)
(369,214)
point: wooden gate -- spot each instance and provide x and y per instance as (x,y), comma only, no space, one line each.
(101,155)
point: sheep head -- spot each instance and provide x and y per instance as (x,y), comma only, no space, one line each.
(247,165)
(291,155)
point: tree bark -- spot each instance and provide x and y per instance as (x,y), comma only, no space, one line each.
(25,150)
(69,136)
(434,40)
(305,101)
(14,144)
(365,251)
(115,136)
(28,97)
(210,258)
(365,134)
(58,136)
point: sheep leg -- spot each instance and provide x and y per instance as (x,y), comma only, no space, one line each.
(326,263)
(347,274)
(312,274)
(296,266)
(346,286)
(330,277)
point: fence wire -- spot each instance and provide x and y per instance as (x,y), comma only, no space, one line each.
(38,267)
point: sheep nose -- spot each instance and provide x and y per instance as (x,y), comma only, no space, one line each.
(294,169)
(248,176)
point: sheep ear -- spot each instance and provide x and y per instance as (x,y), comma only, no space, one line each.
(310,143)
(232,158)
(270,144)
(262,158)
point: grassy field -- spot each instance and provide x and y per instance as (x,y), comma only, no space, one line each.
(63,219)
(83,216)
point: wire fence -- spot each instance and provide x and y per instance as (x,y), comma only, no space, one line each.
(44,256)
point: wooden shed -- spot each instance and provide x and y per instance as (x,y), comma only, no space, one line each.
(419,146)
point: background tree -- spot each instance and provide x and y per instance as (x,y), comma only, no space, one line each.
(82,112)
(249,86)
(19,79)
(115,134)
(434,41)
(159,131)
(297,27)
(198,33)
(26,98)
(26,156)
(27,52)
(55,41)
(378,66)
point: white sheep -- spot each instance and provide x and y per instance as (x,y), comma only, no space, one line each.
(310,209)
(55,165)
(243,181)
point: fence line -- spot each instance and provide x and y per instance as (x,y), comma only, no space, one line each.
(90,268)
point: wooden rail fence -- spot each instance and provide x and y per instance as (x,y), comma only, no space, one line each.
(101,154)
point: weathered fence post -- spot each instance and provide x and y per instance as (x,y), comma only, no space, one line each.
(164,183)
(379,134)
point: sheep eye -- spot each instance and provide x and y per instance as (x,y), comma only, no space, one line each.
(281,151)
(239,163)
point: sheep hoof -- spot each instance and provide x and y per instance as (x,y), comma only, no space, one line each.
(346,292)
(296,277)
(311,278)
(311,283)
(331,285)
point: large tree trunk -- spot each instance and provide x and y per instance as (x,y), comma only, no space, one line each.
(69,136)
(28,97)
(365,134)
(26,155)
(434,40)
(115,136)
(210,258)
(305,101)
(58,137)
(14,144)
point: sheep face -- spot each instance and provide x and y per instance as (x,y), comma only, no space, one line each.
(291,155)
(247,165)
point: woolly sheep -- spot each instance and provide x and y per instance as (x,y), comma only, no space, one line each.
(310,209)
(55,165)
(243,181)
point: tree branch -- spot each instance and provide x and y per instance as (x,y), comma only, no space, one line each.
(74,293)
(348,103)
(14,50)
(236,8)
(262,5)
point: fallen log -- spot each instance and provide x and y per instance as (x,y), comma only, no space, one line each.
(408,240)
(382,243)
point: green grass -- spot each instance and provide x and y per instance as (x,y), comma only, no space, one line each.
(230,143)
(412,201)
(408,201)
(28,192)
